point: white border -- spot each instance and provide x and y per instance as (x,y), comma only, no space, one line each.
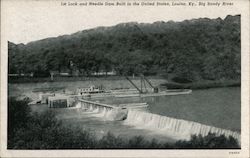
(242,8)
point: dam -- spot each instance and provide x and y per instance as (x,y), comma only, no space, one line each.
(162,117)
(135,115)
(114,113)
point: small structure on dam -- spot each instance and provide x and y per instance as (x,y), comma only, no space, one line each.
(44,97)
(58,102)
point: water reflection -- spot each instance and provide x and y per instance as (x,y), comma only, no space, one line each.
(218,107)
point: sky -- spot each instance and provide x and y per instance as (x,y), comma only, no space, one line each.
(30,20)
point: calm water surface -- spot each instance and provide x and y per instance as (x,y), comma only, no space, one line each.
(219,107)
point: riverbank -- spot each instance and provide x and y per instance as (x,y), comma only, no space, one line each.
(205,84)
(75,78)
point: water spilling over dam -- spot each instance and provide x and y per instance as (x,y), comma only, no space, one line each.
(170,126)
(140,119)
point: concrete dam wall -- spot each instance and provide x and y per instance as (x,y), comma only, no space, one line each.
(176,128)
(171,127)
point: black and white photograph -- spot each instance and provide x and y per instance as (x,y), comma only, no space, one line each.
(125,76)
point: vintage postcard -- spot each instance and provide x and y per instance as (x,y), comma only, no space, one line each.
(124,78)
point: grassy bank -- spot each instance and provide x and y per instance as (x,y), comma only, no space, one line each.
(202,84)
(28,130)
(65,79)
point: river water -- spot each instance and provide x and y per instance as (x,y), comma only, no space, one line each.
(218,107)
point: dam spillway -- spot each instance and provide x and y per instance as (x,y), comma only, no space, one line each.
(175,128)
(109,112)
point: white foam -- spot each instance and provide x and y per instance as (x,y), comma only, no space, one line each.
(176,128)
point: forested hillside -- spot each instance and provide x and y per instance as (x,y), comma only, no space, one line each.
(192,49)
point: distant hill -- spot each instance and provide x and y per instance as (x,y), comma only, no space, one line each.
(192,49)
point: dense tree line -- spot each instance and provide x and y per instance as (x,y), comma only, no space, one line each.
(27,130)
(192,49)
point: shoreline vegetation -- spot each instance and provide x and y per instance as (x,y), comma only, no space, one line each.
(27,130)
(171,84)
(203,84)
(193,50)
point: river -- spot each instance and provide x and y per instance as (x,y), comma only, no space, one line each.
(217,107)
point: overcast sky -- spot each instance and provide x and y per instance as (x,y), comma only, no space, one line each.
(33,20)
